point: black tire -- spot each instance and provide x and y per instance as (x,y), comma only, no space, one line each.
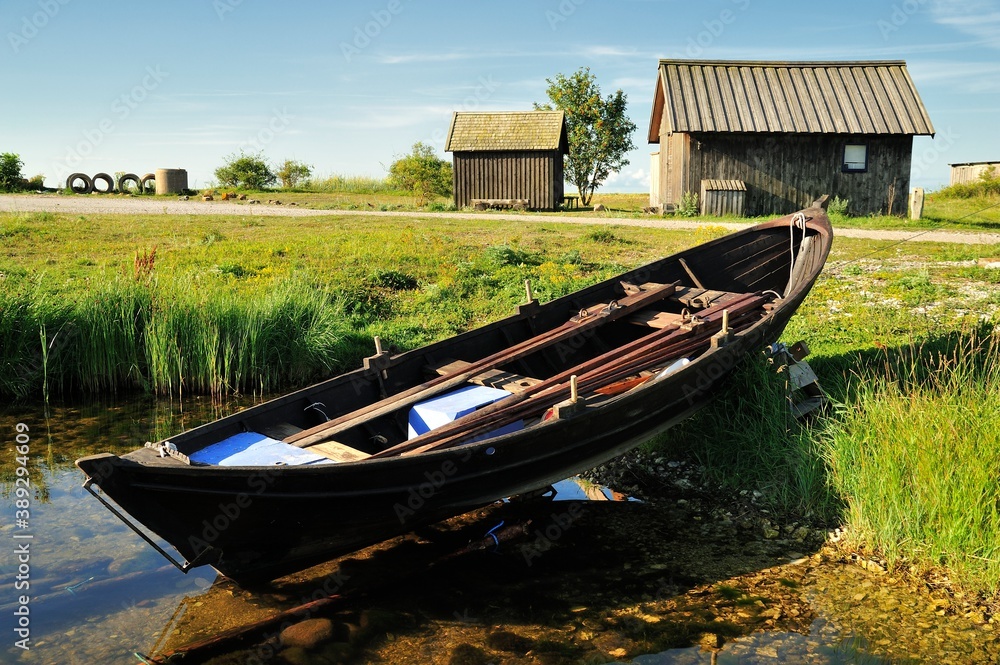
(144,184)
(127,178)
(88,184)
(106,179)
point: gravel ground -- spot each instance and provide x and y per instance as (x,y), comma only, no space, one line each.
(94,204)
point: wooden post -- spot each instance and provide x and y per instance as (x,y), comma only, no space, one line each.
(916,202)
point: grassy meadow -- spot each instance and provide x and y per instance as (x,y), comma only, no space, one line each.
(902,337)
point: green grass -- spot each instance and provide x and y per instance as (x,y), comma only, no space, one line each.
(236,304)
(915,452)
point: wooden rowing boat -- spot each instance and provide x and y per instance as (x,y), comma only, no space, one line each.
(501,410)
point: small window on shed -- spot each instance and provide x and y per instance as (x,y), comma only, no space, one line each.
(855,157)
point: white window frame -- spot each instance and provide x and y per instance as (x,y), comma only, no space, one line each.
(854,165)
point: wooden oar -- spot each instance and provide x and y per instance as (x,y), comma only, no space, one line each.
(576,325)
(636,351)
(469,426)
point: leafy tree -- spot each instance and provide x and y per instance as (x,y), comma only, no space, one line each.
(10,172)
(292,172)
(250,171)
(598,129)
(422,172)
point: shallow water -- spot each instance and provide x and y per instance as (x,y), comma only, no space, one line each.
(598,581)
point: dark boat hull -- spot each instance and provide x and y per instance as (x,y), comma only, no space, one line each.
(255,523)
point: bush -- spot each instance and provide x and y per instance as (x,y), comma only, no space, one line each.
(292,173)
(688,206)
(422,172)
(250,171)
(838,206)
(10,172)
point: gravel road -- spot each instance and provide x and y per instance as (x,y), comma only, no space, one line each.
(119,205)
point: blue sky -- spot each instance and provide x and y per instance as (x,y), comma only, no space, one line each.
(92,86)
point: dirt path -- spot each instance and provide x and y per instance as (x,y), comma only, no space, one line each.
(143,206)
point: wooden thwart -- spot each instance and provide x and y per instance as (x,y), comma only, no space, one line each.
(491,378)
(338,452)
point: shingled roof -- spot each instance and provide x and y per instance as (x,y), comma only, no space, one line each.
(876,97)
(510,130)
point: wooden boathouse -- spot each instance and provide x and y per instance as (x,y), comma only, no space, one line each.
(510,157)
(789,132)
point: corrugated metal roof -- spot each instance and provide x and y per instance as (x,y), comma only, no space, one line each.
(788,97)
(509,130)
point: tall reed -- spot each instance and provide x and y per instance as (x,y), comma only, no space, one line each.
(916,456)
(164,338)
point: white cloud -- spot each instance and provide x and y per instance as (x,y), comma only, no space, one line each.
(978,18)
(629,179)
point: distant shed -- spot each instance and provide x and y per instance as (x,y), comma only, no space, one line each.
(791,131)
(508,155)
(971,171)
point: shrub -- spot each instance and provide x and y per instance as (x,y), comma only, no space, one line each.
(688,206)
(838,206)
(292,173)
(422,172)
(10,172)
(250,171)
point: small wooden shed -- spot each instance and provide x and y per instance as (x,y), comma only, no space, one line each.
(790,131)
(971,171)
(508,155)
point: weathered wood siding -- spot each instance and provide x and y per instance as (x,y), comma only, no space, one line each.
(533,175)
(723,197)
(963,173)
(786,172)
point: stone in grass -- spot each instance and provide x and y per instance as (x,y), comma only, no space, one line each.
(990,262)
(308,634)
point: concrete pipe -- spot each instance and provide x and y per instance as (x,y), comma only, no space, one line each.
(171,181)
(123,184)
(148,184)
(86,188)
(109,183)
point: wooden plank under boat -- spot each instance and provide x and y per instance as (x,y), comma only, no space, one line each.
(587,377)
